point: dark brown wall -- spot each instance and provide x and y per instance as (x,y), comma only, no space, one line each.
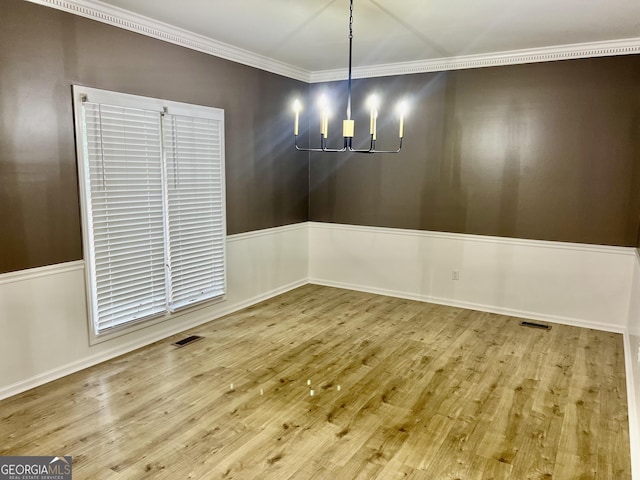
(44,51)
(545,151)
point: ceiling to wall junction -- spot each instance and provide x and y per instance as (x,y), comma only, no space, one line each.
(312,34)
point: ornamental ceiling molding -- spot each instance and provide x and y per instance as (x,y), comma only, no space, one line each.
(127,20)
(149,27)
(627,46)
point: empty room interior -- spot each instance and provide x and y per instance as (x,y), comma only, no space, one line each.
(321,239)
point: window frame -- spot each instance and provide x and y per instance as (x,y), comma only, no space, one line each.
(161,106)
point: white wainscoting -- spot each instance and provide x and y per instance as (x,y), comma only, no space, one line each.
(43,312)
(632,351)
(575,284)
(43,316)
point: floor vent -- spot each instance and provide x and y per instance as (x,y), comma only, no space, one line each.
(187,341)
(535,325)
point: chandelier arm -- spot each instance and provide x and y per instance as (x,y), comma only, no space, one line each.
(304,149)
(354,150)
(320,150)
(374,150)
(334,150)
(323,144)
(347,148)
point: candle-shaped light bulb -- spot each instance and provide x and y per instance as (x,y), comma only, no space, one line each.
(403,108)
(297,106)
(375,124)
(324,116)
(326,124)
(373,103)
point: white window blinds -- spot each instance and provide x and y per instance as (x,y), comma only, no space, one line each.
(195,210)
(152,184)
(124,163)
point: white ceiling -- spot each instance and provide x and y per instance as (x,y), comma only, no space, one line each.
(312,34)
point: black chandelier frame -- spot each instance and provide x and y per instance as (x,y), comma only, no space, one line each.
(348,125)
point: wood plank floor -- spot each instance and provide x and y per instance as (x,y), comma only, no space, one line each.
(401,390)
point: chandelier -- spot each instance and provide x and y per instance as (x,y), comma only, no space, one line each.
(348,125)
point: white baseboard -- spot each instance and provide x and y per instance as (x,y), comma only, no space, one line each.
(575,322)
(199,318)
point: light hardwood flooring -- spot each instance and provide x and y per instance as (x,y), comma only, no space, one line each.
(401,390)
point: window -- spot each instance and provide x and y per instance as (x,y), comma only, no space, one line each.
(152,196)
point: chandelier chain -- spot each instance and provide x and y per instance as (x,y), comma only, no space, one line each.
(350,57)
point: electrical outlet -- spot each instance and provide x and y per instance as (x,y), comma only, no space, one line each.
(455,275)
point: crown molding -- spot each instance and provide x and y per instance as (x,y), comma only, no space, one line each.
(627,46)
(118,17)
